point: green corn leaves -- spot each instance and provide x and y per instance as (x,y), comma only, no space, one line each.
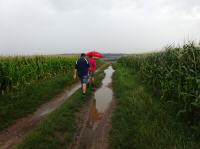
(19,71)
(176,73)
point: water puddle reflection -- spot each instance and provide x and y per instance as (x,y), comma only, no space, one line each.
(102,98)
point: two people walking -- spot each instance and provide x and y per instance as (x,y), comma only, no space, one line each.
(85,70)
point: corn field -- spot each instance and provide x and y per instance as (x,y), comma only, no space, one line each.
(17,72)
(174,74)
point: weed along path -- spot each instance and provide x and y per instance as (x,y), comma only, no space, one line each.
(95,122)
(13,134)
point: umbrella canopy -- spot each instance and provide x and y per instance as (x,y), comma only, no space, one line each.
(95,54)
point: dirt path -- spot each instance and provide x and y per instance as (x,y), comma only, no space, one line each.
(94,119)
(13,134)
(93,136)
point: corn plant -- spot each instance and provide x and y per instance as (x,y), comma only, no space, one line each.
(19,71)
(175,73)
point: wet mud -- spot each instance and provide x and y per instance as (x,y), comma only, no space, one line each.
(14,134)
(96,122)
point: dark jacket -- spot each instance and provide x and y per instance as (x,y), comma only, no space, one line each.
(82,66)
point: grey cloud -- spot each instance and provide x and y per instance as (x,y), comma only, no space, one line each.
(60,26)
(88,4)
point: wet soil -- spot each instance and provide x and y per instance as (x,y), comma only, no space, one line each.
(94,119)
(12,135)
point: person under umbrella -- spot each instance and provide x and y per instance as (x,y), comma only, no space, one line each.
(92,70)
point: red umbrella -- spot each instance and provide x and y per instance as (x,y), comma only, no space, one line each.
(95,54)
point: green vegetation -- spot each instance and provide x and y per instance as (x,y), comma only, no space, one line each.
(16,72)
(141,120)
(174,75)
(29,82)
(57,130)
(18,104)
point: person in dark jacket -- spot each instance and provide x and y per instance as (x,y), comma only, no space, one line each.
(82,69)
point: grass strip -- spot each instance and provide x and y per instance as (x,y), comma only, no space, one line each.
(57,130)
(143,122)
(25,100)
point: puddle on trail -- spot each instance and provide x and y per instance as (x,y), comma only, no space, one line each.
(102,98)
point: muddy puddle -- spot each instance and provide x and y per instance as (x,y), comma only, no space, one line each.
(102,98)
(96,126)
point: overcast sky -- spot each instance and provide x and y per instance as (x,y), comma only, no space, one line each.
(68,26)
